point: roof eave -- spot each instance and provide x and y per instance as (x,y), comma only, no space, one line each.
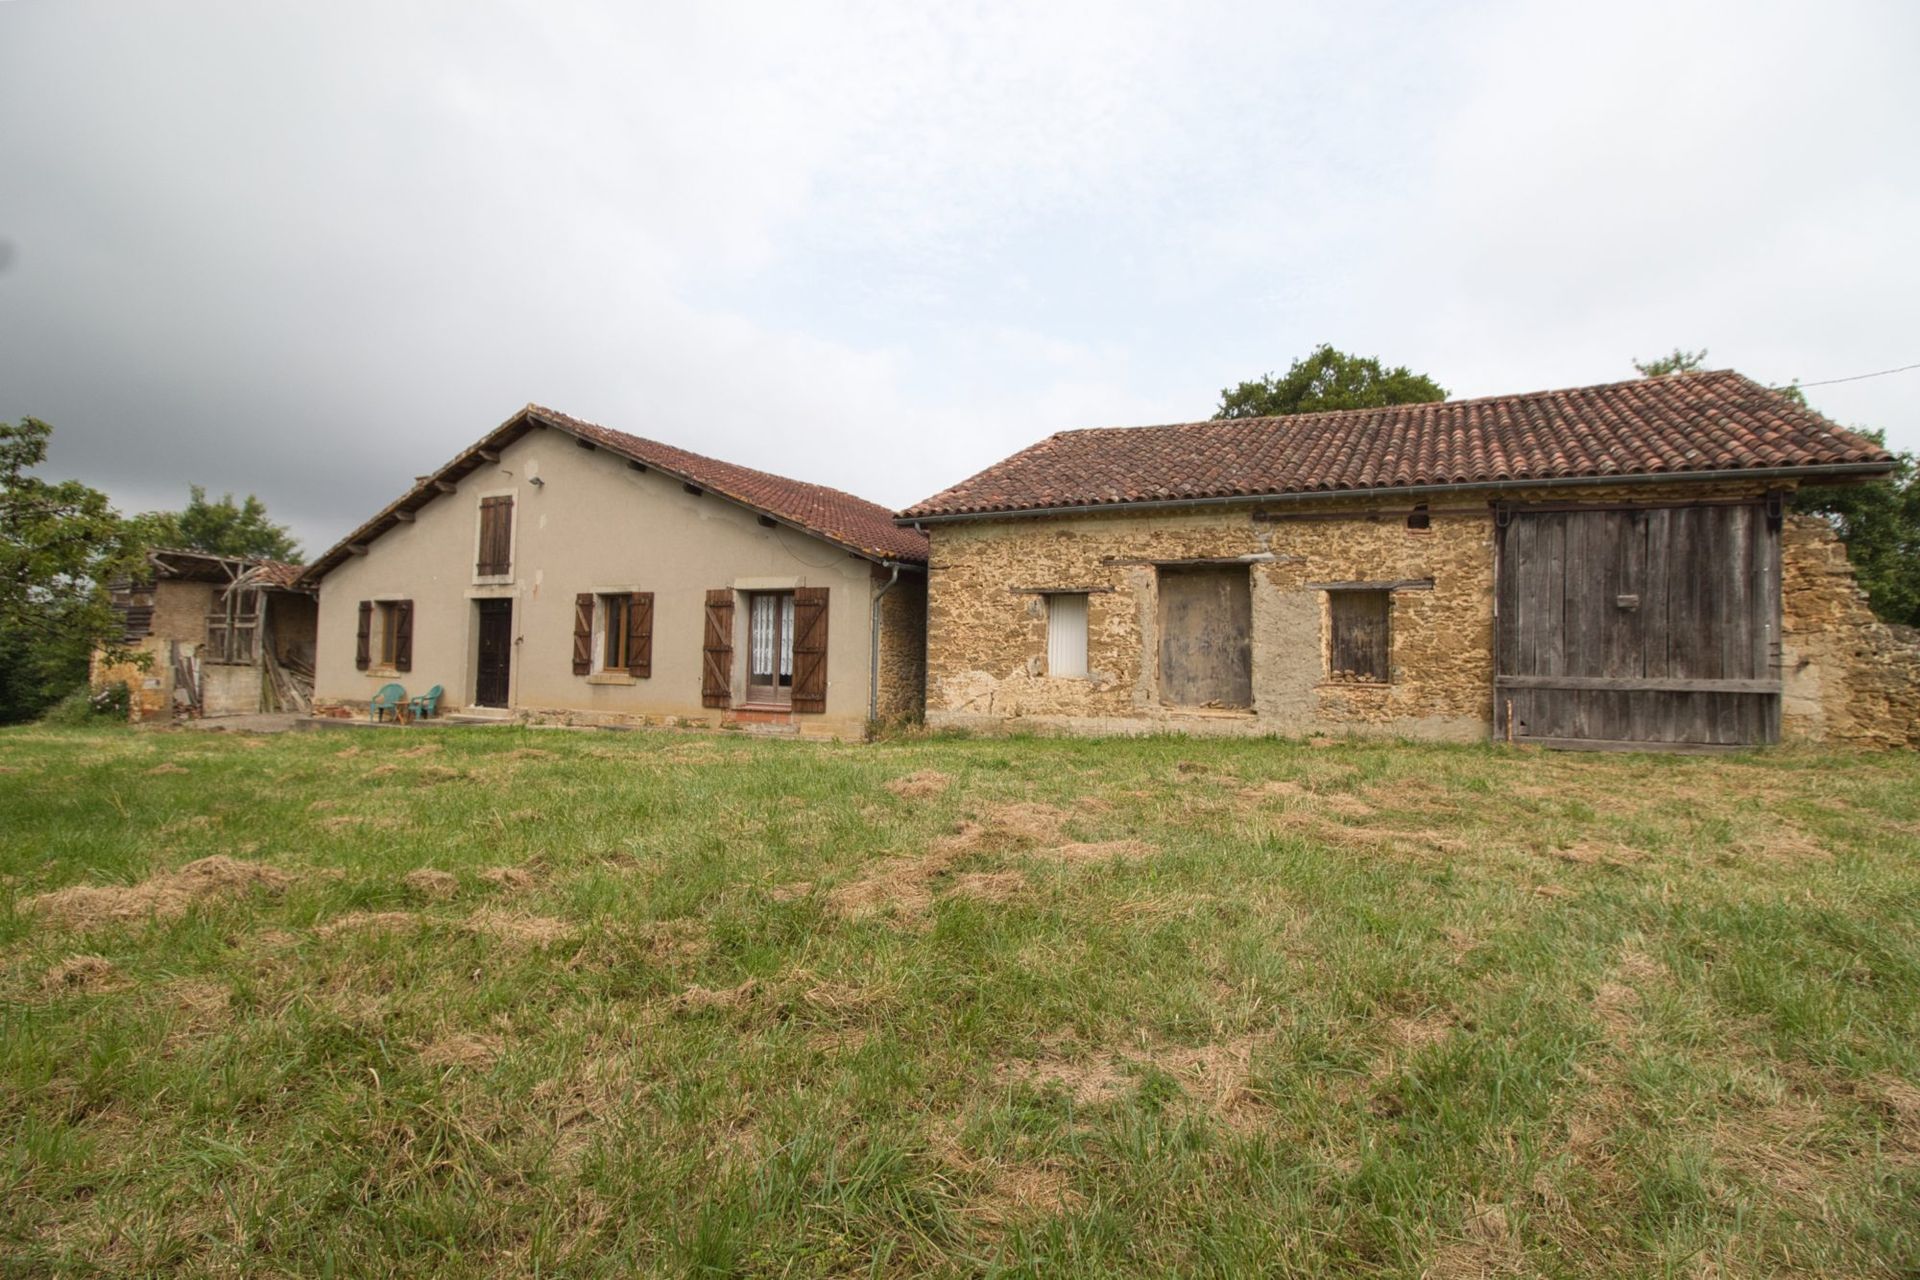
(1839,470)
(531,416)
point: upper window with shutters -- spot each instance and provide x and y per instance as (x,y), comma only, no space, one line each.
(493,558)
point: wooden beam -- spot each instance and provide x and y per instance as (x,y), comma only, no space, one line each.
(693,489)
(1058,591)
(441,486)
(356,548)
(1404,584)
(585,444)
(635,466)
(1614,744)
(1256,557)
(491,455)
(1639,684)
(403,516)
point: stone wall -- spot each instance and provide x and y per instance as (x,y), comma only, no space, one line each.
(179,617)
(1850,679)
(903,647)
(988,631)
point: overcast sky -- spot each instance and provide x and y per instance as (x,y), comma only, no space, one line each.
(311,251)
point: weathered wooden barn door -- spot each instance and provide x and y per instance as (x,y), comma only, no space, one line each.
(1206,636)
(1639,626)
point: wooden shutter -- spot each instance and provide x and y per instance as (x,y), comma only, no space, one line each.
(363,650)
(496,538)
(810,649)
(640,635)
(582,634)
(403,635)
(716,665)
(1360,636)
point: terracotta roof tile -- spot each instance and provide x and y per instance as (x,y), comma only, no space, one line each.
(853,522)
(1684,423)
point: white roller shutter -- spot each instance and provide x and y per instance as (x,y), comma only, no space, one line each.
(1067,635)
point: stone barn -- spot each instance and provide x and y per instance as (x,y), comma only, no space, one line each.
(1611,566)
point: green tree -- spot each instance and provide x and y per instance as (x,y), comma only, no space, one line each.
(225,528)
(59,544)
(1880,523)
(1327,378)
(1679,360)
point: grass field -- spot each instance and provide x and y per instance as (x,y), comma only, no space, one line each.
(508,1002)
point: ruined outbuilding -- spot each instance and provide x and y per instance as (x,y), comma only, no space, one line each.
(221,635)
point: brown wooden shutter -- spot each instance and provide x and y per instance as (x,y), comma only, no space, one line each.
(363,650)
(403,635)
(1360,636)
(810,649)
(716,667)
(496,538)
(640,635)
(582,634)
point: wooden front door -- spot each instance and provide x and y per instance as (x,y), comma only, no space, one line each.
(495,663)
(1649,626)
(1206,637)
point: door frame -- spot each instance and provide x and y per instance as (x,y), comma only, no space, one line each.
(483,605)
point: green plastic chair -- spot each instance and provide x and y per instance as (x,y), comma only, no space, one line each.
(427,705)
(387,700)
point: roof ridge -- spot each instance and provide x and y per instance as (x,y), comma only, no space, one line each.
(1421,404)
(545,411)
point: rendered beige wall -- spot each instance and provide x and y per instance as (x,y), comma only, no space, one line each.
(593,525)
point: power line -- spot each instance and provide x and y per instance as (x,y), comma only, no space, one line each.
(1855,378)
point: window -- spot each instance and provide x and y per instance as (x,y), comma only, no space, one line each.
(495,559)
(385,637)
(389,631)
(1067,634)
(770,647)
(615,630)
(1358,642)
(1420,519)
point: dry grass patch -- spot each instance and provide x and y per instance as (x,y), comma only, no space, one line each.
(167,768)
(461,1049)
(989,886)
(1004,1192)
(163,897)
(84,973)
(1097,851)
(370,922)
(508,878)
(415,753)
(790,892)
(697,998)
(519,928)
(430,882)
(915,786)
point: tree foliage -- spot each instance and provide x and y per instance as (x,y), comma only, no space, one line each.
(1679,360)
(225,528)
(1880,523)
(59,545)
(1328,378)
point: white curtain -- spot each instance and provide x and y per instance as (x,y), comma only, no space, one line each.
(1066,635)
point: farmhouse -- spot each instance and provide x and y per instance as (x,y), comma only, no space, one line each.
(1612,565)
(220,635)
(560,570)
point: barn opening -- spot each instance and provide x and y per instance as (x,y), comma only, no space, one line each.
(1206,636)
(1639,625)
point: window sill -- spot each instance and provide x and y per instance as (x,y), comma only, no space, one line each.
(382,673)
(782,707)
(501,581)
(1355,684)
(612,677)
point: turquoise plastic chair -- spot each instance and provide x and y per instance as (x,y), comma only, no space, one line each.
(387,700)
(427,705)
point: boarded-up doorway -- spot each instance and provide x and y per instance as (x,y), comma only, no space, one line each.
(1649,626)
(1206,636)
